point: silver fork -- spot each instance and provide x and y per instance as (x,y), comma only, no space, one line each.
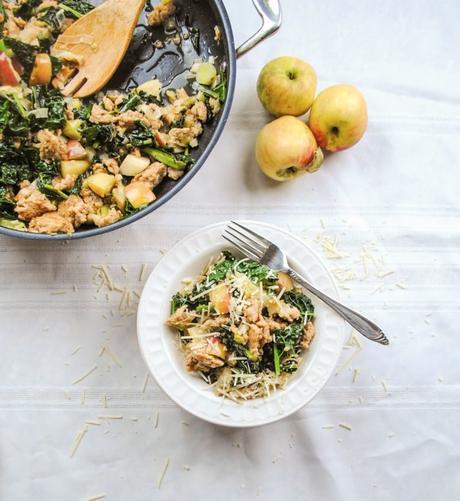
(258,248)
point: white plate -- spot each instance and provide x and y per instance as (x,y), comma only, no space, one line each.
(159,345)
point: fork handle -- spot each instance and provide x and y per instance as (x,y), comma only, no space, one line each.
(361,324)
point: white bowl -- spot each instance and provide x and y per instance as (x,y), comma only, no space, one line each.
(159,343)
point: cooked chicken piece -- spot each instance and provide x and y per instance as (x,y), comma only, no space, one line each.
(112,165)
(64,183)
(175,174)
(161,12)
(214,323)
(308,335)
(74,210)
(51,146)
(30,202)
(215,105)
(152,175)
(252,311)
(101,116)
(100,220)
(92,201)
(181,318)
(255,334)
(51,222)
(202,354)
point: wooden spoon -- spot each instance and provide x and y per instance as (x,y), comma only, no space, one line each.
(99,41)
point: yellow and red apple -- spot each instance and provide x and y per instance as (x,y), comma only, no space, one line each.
(286,148)
(287,86)
(338,117)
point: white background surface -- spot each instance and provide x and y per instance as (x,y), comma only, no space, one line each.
(399,187)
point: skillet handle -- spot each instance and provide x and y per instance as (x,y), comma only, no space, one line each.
(270,12)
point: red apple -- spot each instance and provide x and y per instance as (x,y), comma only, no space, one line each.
(338,117)
(8,75)
(286,148)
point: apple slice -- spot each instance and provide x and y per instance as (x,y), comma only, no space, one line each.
(74,167)
(75,150)
(119,197)
(72,129)
(8,75)
(139,194)
(132,165)
(101,183)
(206,74)
(42,70)
(151,87)
(220,299)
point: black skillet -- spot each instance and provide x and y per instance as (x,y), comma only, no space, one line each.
(143,62)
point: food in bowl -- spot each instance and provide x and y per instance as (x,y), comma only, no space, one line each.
(68,162)
(242,327)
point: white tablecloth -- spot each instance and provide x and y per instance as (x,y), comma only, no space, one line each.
(396,193)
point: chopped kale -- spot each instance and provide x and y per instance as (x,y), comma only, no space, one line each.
(140,135)
(52,99)
(130,102)
(45,186)
(24,52)
(219,270)
(257,272)
(26,8)
(6,204)
(14,165)
(301,302)
(177,161)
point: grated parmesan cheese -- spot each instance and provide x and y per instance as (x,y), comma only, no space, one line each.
(85,375)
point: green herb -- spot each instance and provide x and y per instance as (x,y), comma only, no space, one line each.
(204,308)
(175,161)
(177,301)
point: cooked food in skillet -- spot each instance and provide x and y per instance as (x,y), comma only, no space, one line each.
(242,327)
(67,162)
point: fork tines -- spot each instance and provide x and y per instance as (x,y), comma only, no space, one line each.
(246,241)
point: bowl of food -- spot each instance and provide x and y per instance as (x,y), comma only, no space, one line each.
(232,341)
(74,168)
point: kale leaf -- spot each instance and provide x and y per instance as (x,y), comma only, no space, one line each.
(130,102)
(14,119)
(140,135)
(52,99)
(26,8)
(301,302)
(14,164)
(6,204)
(257,272)
(24,52)
(76,8)
(219,270)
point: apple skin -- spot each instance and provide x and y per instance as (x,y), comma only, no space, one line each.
(338,117)
(287,86)
(286,148)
